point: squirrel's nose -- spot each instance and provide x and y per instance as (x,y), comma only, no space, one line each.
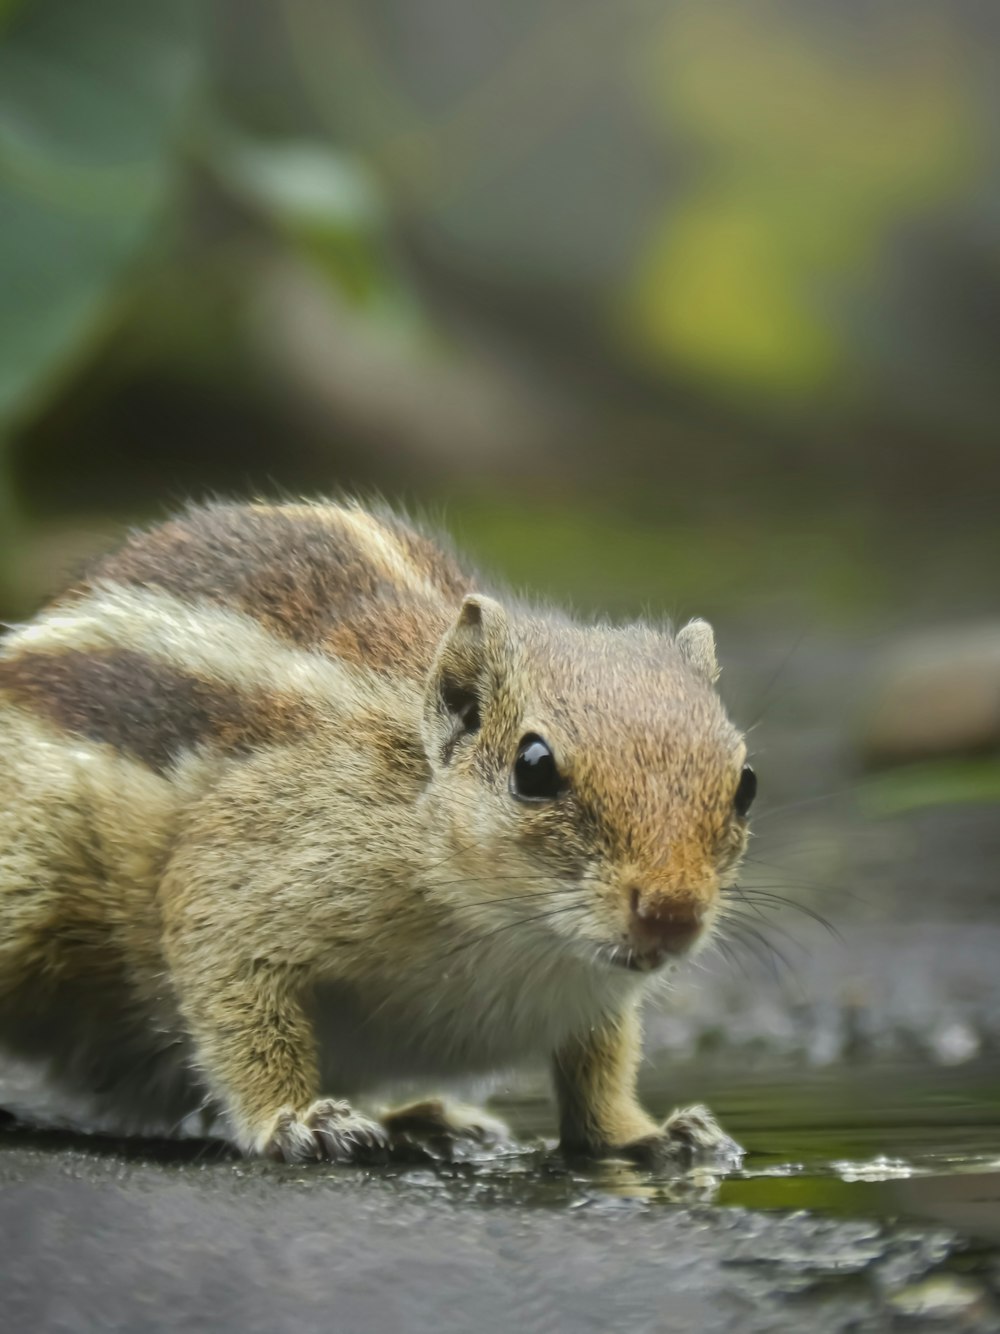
(659,921)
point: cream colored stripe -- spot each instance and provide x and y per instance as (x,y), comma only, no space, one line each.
(384,551)
(203,640)
(377,544)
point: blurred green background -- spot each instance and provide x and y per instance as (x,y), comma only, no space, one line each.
(681,305)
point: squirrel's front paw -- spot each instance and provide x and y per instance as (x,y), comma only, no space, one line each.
(689,1135)
(328,1130)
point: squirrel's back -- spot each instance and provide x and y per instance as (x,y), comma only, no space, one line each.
(362,586)
(213,629)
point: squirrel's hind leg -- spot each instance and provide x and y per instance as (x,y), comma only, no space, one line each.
(435,1127)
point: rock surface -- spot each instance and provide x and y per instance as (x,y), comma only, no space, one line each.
(106,1243)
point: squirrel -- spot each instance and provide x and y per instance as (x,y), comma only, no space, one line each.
(290,808)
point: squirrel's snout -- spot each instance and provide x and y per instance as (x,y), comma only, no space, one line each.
(661,923)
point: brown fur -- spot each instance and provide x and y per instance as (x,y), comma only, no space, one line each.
(298,572)
(402,644)
(143,708)
(258,837)
(595,1075)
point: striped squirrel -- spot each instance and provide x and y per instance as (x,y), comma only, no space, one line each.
(290,809)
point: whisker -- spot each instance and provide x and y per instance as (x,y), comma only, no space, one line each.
(772,811)
(725,948)
(750,931)
(760,922)
(763,957)
(791,881)
(757,950)
(753,897)
(479,938)
(501,900)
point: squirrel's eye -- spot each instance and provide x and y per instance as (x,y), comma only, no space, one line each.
(746,790)
(535,776)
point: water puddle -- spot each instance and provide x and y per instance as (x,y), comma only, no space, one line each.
(898,1144)
(891,1144)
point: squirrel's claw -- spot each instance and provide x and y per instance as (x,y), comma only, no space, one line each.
(330,1130)
(689,1136)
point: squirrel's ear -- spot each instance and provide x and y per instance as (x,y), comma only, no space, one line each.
(696,643)
(463,676)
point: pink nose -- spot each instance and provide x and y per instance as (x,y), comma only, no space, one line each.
(659,922)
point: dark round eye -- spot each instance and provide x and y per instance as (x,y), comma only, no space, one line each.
(535,776)
(746,790)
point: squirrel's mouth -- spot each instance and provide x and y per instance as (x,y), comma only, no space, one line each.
(645,955)
(636,961)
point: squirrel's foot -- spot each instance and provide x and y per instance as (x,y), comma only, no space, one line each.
(436,1126)
(688,1136)
(330,1130)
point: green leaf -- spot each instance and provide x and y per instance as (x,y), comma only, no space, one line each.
(92,101)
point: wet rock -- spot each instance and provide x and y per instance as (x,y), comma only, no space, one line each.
(171,1249)
(949,1301)
(936,694)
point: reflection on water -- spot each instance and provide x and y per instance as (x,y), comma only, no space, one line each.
(921,1144)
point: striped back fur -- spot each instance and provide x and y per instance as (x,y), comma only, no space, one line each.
(233,626)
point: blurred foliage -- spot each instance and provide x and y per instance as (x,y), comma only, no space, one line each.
(330,211)
(637,564)
(7,8)
(937,783)
(100,107)
(217,215)
(809,157)
(107,118)
(92,102)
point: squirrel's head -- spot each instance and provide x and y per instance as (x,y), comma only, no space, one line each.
(587,786)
